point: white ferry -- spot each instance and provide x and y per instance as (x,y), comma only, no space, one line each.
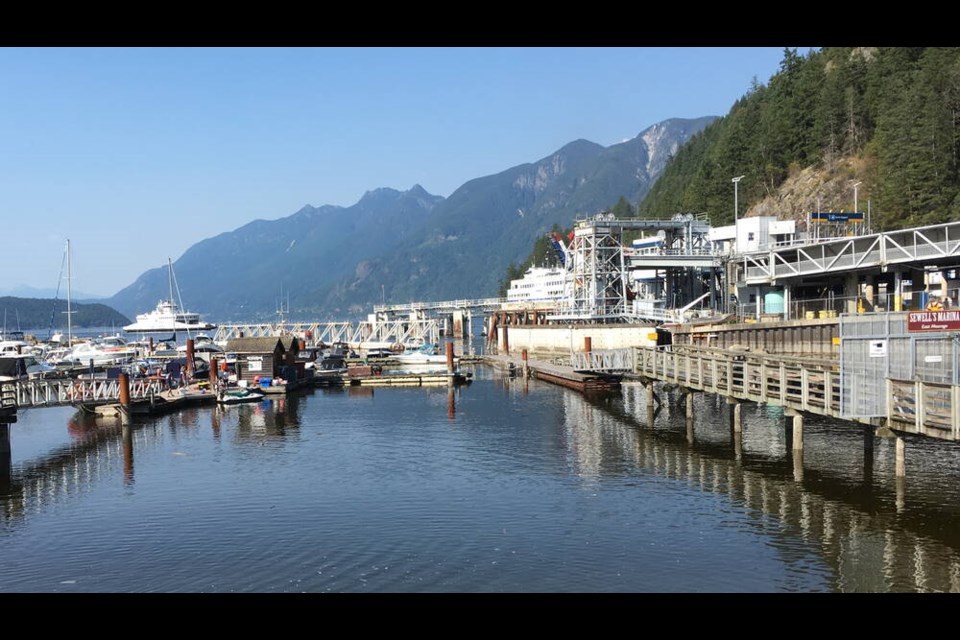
(539,286)
(167,317)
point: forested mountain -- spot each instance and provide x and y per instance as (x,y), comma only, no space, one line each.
(336,262)
(35,314)
(886,118)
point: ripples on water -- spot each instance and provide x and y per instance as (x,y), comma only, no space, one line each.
(507,486)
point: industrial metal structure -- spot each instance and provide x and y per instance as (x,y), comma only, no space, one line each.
(675,267)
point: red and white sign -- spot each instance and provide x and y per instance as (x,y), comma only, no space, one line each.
(934,320)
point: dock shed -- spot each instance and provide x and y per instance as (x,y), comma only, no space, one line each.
(258,357)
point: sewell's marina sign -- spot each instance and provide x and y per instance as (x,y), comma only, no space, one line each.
(933,320)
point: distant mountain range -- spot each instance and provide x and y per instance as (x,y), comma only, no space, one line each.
(399,246)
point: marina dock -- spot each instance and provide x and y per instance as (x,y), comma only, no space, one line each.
(566,376)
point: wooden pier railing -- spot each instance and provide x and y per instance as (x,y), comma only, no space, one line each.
(798,383)
(807,384)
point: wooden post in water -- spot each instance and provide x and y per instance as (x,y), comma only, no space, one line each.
(6,466)
(651,400)
(588,349)
(523,358)
(189,358)
(690,416)
(901,458)
(798,433)
(124,382)
(127,445)
(213,374)
(450,358)
(797,446)
(736,427)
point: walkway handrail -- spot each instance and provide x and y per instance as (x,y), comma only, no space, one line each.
(69,391)
(465,303)
(812,386)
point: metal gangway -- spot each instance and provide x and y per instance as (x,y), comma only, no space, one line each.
(404,331)
(24,394)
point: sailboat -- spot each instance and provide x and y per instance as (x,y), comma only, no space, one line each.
(168,316)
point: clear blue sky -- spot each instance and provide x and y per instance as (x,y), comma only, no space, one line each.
(135,154)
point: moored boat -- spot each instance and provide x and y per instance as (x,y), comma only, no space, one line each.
(239,395)
(167,317)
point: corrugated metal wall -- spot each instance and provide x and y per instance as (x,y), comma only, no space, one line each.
(877,346)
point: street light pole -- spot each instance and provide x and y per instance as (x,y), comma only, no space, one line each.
(855,201)
(736,210)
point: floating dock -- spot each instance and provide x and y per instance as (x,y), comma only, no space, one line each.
(382,376)
(584,382)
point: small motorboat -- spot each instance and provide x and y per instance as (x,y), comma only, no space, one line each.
(239,395)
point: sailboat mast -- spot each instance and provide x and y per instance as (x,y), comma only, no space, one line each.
(170,276)
(69,311)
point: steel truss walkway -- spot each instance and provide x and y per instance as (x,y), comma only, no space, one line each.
(417,331)
(930,244)
(482,304)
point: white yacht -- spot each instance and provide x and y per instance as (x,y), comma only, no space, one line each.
(104,351)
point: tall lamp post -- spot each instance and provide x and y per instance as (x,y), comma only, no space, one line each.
(736,209)
(855,202)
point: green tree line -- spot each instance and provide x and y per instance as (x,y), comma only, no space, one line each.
(36,314)
(897,109)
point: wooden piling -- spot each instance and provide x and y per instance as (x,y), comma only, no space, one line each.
(124,381)
(6,466)
(901,458)
(798,433)
(450,357)
(523,358)
(4,439)
(127,446)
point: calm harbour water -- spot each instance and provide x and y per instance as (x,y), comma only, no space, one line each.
(502,486)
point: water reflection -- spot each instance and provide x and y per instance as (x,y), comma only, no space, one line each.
(830,496)
(838,506)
